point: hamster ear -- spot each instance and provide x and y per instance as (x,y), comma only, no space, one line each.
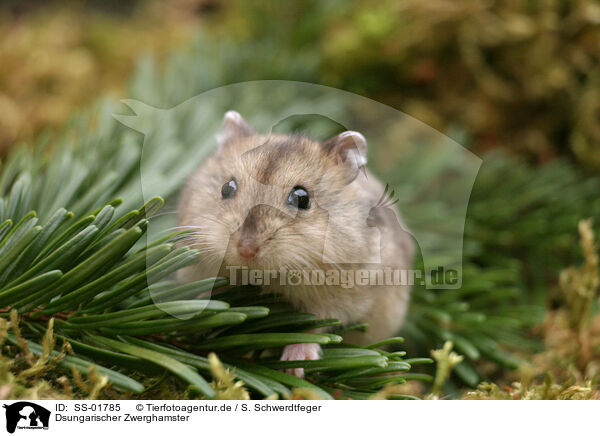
(349,149)
(234,126)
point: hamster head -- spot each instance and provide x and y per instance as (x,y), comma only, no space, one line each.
(265,200)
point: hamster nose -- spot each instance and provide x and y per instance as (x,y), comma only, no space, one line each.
(247,249)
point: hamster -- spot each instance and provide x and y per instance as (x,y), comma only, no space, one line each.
(272,202)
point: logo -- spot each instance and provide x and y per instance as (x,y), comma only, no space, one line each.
(282,174)
(26,415)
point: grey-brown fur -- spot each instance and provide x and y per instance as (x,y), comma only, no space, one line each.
(266,168)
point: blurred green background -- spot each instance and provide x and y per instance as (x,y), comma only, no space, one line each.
(515,74)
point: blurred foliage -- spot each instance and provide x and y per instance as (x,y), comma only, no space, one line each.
(569,365)
(520,232)
(22,374)
(517,74)
(58,57)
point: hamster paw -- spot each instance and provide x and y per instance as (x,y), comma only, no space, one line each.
(300,352)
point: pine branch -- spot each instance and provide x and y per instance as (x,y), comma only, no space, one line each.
(93,282)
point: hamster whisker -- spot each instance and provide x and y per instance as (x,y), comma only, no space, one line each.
(306,262)
(323,258)
(195,241)
(194,235)
(214,220)
(230,227)
(185,240)
(196,231)
(163,213)
(207,254)
(180,232)
(183,228)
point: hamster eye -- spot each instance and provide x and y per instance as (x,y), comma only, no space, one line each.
(298,197)
(229,189)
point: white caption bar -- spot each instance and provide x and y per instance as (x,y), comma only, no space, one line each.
(303,418)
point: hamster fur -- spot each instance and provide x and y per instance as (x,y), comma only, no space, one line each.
(258,228)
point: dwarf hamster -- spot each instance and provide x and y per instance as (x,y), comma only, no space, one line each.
(272,202)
